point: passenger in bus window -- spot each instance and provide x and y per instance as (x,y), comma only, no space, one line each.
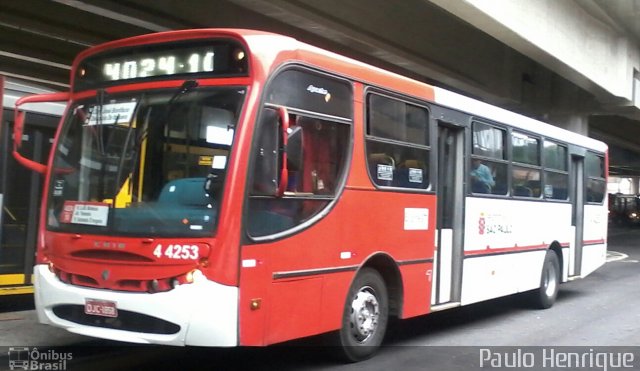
(481,177)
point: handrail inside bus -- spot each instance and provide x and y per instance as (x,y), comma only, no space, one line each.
(284,173)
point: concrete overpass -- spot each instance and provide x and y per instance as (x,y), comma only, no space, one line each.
(573,63)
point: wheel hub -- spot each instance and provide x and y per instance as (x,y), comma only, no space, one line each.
(550,282)
(365,311)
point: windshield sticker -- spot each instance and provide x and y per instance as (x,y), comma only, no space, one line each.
(113,113)
(219,135)
(58,188)
(205,160)
(89,213)
(219,162)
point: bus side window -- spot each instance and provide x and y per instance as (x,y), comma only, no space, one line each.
(489,149)
(397,142)
(321,158)
(596,178)
(313,178)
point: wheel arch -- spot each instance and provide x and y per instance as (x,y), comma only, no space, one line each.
(390,272)
(557,248)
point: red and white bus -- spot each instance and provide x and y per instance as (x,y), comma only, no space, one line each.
(226,187)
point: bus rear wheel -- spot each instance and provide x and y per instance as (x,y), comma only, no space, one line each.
(546,294)
(365,316)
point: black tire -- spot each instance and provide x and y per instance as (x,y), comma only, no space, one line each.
(544,296)
(365,317)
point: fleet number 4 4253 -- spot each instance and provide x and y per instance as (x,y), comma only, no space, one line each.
(183,252)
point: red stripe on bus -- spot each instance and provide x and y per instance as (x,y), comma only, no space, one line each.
(498,250)
(593,242)
(516,248)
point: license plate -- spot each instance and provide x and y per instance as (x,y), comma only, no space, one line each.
(100,308)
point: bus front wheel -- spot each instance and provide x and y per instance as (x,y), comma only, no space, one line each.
(365,316)
(546,294)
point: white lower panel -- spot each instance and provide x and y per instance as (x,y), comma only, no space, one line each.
(487,277)
(444,268)
(572,252)
(206,312)
(565,264)
(593,257)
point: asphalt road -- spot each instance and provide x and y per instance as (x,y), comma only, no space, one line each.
(597,318)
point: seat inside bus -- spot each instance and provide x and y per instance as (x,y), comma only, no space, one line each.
(186,191)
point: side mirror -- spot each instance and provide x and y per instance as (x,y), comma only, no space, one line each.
(270,172)
(19,122)
(265,173)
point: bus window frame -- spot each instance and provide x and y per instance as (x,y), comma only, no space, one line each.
(510,162)
(429,148)
(347,161)
(523,165)
(588,178)
(506,160)
(546,169)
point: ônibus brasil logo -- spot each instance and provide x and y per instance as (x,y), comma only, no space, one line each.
(24,358)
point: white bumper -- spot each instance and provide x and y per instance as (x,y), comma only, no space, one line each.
(206,312)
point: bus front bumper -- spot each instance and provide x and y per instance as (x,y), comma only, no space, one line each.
(206,313)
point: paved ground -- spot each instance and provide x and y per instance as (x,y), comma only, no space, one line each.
(19,326)
(600,310)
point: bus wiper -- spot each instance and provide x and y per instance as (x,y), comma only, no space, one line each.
(122,156)
(100,95)
(125,146)
(184,88)
(187,86)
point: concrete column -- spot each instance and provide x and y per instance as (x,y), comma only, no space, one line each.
(634,185)
(576,122)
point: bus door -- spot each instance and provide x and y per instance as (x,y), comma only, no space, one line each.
(450,193)
(577,214)
(21,189)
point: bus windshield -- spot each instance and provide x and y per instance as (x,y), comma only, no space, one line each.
(137,164)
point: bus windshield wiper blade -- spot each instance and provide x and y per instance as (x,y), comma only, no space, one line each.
(186,86)
(125,145)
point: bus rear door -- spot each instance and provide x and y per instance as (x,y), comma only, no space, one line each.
(577,214)
(450,221)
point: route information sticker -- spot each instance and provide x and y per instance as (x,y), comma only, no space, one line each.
(89,213)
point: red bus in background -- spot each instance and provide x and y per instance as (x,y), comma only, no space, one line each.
(224,187)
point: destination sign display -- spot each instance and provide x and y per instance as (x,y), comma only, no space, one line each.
(161,61)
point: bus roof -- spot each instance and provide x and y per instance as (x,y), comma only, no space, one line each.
(401,84)
(272,50)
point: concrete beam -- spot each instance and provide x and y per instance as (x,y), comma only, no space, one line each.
(413,38)
(575,39)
